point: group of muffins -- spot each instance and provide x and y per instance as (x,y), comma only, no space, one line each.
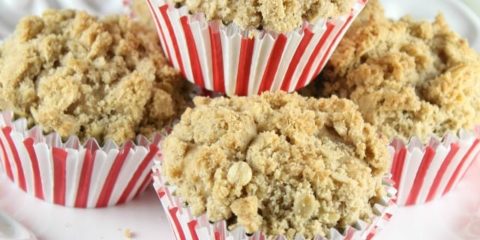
(90,105)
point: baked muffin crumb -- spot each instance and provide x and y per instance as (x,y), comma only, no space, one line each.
(409,78)
(278,163)
(76,74)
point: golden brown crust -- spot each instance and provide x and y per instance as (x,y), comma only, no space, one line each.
(272,15)
(279,163)
(78,75)
(409,78)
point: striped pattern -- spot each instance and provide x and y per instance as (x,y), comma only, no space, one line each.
(426,173)
(71,174)
(223,59)
(187,227)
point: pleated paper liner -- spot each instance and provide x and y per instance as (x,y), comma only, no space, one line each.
(226,59)
(73,174)
(425,172)
(185,226)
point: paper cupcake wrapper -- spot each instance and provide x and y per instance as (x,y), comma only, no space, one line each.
(185,226)
(426,172)
(228,60)
(72,174)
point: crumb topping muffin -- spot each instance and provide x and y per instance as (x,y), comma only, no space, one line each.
(271,15)
(279,163)
(79,75)
(409,78)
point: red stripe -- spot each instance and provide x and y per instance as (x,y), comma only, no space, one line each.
(37,179)
(244,65)
(307,37)
(160,30)
(8,168)
(191,227)
(420,177)
(441,172)
(85,178)
(146,182)
(163,10)
(273,63)
(138,173)
(217,60)
(59,175)
(350,233)
(321,43)
(192,52)
(112,176)
(330,48)
(372,234)
(400,163)
(218,236)
(161,193)
(456,174)
(176,223)
(21,177)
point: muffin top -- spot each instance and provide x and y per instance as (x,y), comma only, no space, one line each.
(76,74)
(279,163)
(409,78)
(271,15)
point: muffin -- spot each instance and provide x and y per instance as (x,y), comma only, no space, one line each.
(416,82)
(70,76)
(278,163)
(75,74)
(248,47)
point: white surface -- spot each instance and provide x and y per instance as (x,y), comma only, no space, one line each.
(457,216)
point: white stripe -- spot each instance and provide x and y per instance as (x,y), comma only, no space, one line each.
(260,56)
(71,175)
(293,41)
(45,162)
(76,175)
(181,41)
(155,16)
(305,57)
(231,55)
(168,37)
(409,171)
(201,35)
(440,154)
(101,165)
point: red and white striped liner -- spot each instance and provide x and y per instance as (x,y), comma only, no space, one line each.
(423,173)
(185,226)
(72,174)
(226,59)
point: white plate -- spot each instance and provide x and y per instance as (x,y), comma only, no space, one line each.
(457,216)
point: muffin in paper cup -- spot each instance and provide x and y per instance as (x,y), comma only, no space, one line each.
(73,86)
(224,58)
(416,82)
(426,172)
(186,226)
(74,174)
(310,166)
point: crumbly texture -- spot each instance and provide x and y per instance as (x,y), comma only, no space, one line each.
(279,163)
(271,15)
(76,74)
(141,11)
(409,78)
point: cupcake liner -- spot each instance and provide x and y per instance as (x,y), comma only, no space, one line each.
(71,174)
(228,60)
(185,226)
(425,172)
